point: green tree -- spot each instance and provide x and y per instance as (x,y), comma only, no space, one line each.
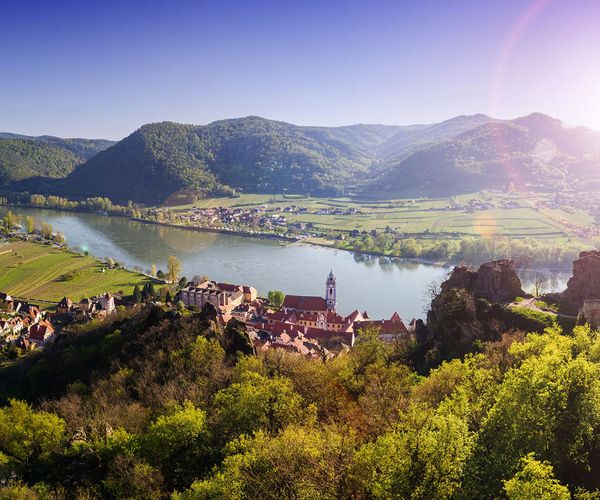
(548,404)
(177,443)
(535,481)
(46,230)
(300,462)
(10,220)
(29,224)
(276,297)
(137,294)
(153,271)
(424,458)
(256,402)
(173,268)
(27,437)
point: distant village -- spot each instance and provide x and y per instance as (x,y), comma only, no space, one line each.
(307,325)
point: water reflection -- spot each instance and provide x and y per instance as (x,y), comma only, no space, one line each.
(381,285)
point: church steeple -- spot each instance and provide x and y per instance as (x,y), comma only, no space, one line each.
(330,292)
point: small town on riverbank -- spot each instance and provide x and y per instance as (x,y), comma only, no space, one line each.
(307,325)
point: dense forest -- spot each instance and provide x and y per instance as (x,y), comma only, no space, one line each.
(83,148)
(253,154)
(154,403)
(250,154)
(22,159)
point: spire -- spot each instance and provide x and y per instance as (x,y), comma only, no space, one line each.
(330,292)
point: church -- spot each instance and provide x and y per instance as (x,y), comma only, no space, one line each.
(318,312)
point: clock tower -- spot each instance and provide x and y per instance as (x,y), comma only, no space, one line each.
(330,292)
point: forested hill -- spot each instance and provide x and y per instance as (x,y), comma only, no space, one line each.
(252,154)
(533,152)
(82,148)
(21,159)
(24,157)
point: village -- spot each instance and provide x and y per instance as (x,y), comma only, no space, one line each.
(307,325)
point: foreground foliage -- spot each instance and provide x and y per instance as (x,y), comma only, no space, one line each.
(168,404)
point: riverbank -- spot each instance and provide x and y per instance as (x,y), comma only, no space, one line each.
(233,232)
(529,261)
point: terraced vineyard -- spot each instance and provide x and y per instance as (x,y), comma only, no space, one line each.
(41,272)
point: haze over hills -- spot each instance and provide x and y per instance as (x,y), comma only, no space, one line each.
(254,154)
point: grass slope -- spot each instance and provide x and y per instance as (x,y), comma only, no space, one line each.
(37,272)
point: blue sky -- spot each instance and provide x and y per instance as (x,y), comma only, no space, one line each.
(103,68)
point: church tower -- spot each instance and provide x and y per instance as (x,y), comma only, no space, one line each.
(330,292)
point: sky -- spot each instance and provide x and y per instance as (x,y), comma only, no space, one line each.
(102,69)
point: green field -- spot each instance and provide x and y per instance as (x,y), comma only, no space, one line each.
(45,273)
(429,216)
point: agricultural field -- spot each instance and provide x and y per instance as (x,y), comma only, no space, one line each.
(477,214)
(41,272)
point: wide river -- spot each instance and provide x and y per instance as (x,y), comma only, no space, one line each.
(379,285)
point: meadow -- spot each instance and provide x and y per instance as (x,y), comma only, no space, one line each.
(42,272)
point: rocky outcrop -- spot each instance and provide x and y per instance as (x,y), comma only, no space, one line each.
(460,277)
(585,282)
(495,281)
(468,309)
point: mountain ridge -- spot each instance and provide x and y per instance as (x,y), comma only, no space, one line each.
(255,154)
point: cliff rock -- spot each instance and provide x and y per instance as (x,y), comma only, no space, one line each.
(495,281)
(585,282)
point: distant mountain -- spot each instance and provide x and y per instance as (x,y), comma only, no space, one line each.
(254,154)
(413,138)
(535,152)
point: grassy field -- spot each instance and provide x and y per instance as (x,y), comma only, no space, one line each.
(427,215)
(45,273)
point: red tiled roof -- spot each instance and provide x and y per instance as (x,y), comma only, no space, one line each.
(386,326)
(304,303)
(226,287)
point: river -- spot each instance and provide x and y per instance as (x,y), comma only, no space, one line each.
(379,285)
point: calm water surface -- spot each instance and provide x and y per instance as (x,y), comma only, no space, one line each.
(378,284)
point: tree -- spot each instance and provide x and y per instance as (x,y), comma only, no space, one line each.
(535,481)
(168,297)
(27,436)
(548,404)
(46,230)
(11,220)
(153,271)
(300,462)
(173,268)
(30,224)
(276,297)
(177,443)
(137,294)
(424,458)
(539,284)
(256,402)
(182,282)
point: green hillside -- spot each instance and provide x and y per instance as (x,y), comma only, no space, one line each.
(251,154)
(20,159)
(534,152)
(256,155)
